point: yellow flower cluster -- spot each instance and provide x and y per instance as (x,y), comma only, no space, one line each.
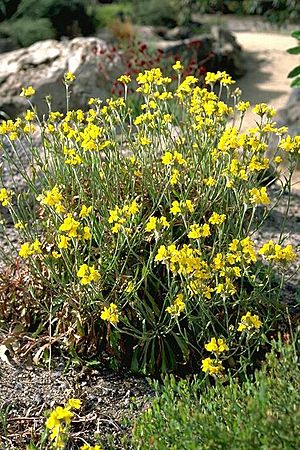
(172,158)
(120,216)
(262,109)
(59,421)
(217,346)
(72,229)
(219,77)
(27,92)
(212,367)
(88,274)
(11,128)
(177,306)
(249,322)
(28,249)
(90,447)
(5,196)
(290,144)
(156,224)
(277,253)
(182,207)
(69,77)
(197,231)
(53,198)
(259,196)
(149,79)
(111,314)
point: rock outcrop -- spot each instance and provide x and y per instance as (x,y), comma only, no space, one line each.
(43,64)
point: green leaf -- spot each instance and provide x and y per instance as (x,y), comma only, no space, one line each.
(293,73)
(294,50)
(296,34)
(296,82)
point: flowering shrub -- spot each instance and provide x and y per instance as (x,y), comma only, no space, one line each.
(143,229)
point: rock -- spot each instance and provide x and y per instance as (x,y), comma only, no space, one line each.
(290,115)
(43,65)
(228,52)
(215,49)
(178,33)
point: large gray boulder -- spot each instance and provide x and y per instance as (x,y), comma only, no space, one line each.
(43,64)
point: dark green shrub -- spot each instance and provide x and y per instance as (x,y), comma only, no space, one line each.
(67,17)
(8,8)
(156,12)
(275,11)
(26,31)
(104,15)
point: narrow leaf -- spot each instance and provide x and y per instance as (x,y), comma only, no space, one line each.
(296,82)
(293,73)
(294,50)
(296,34)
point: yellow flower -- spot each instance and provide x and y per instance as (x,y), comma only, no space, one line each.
(216,346)
(74,403)
(89,447)
(88,274)
(162,253)
(36,247)
(151,224)
(217,219)
(167,158)
(259,196)
(5,196)
(19,225)
(175,208)
(125,79)
(29,115)
(116,228)
(243,106)
(189,206)
(63,242)
(174,177)
(212,367)
(27,92)
(86,233)
(28,249)
(177,307)
(51,198)
(195,231)
(85,211)
(56,255)
(69,77)
(277,253)
(110,314)
(70,226)
(155,223)
(262,108)
(25,250)
(177,66)
(210,181)
(133,208)
(249,322)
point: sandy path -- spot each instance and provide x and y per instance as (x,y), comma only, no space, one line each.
(268,65)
